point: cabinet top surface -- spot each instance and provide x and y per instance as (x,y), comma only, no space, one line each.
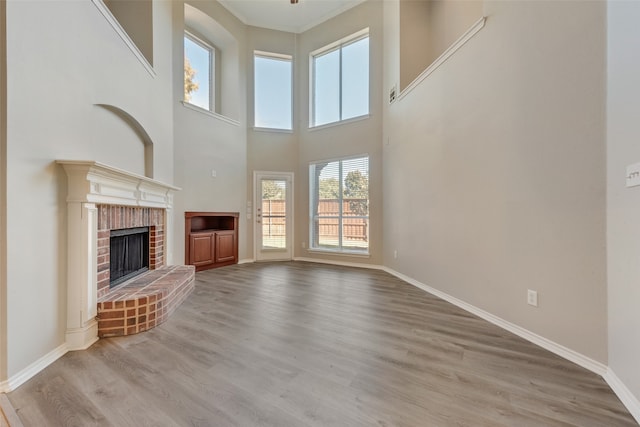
(194,214)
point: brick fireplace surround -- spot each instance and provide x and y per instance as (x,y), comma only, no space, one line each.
(102,198)
(146,300)
(117,217)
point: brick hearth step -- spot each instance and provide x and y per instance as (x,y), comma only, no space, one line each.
(145,301)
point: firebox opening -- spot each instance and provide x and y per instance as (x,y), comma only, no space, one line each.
(129,254)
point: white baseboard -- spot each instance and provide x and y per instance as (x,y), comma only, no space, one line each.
(82,338)
(342,263)
(27,373)
(246,261)
(619,388)
(624,394)
(560,350)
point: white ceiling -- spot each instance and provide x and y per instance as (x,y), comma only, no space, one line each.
(284,16)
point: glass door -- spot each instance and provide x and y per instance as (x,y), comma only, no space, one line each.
(273,216)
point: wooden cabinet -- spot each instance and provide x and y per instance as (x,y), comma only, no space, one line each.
(211,239)
(202,248)
(225,246)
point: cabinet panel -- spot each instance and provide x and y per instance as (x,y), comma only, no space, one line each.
(202,249)
(225,246)
(211,239)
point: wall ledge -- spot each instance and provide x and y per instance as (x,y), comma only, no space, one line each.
(212,114)
(104,10)
(475,28)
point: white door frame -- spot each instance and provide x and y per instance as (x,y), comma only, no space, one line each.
(277,254)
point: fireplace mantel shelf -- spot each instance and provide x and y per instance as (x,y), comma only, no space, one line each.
(95,182)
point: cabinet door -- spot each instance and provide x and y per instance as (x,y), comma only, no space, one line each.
(225,246)
(202,249)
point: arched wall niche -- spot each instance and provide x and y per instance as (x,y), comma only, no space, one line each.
(139,131)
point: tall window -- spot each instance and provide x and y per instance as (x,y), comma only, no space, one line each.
(272,91)
(339,205)
(199,60)
(340,76)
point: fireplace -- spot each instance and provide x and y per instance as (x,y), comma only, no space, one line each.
(120,225)
(102,198)
(128,253)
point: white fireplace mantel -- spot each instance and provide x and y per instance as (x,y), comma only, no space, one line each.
(91,183)
(98,183)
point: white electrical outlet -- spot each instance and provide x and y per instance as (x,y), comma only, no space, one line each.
(214,173)
(395,254)
(633,175)
(304,245)
(532,298)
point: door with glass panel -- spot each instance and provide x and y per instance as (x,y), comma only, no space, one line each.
(273,222)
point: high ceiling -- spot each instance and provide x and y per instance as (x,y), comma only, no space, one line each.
(284,16)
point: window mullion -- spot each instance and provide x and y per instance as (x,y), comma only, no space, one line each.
(340,86)
(211,80)
(340,203)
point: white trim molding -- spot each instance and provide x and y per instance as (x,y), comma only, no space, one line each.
(104,10)
(341,263)
(213,114)
(624,394)
(628,399)
(562,351)
(91,183)
(475,28)
(27,373)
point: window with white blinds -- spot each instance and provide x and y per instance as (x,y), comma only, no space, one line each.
(339,205)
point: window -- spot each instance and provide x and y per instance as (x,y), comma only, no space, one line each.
(199,60)
(340,80)
(339,205)
(272,91)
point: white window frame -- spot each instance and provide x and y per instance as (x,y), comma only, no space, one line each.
(274,56)
(314,190)
(337,45)
(212,63)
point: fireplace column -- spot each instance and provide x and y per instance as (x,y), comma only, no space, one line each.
(82,327)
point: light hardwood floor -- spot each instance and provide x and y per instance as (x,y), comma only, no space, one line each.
(302,344)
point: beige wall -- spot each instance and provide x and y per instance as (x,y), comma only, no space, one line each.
(494,166)
(428,28)
(203,142)
(292,152)
(272,151)
(3,188)
(496,163)
(623,204)
(360,137)
(54,82)
(136,17)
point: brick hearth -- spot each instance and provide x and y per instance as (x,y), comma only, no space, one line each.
(145,301)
